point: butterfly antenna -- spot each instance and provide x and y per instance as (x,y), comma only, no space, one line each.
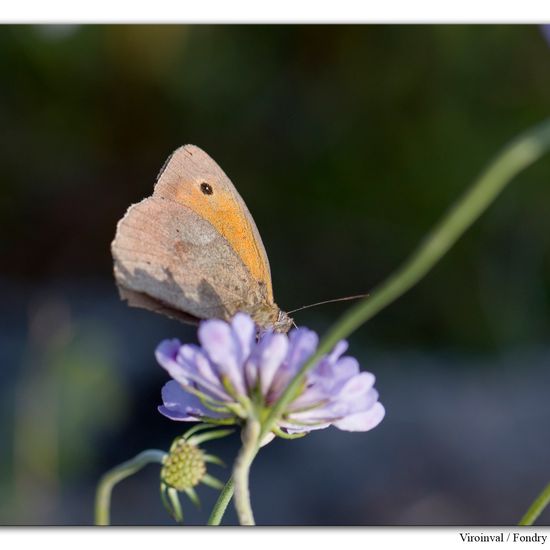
(347,298)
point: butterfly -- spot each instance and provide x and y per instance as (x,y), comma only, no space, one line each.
(192,251)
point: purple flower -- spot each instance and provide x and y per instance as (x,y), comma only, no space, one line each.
(233,373)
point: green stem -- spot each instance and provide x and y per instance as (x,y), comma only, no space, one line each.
(516,156)
(241,471)
(118,473)
(536,509)
(221,504)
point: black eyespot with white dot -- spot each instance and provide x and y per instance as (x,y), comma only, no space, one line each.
(206,188)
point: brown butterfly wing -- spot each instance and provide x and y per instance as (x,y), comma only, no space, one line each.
(170,260)
(180,180)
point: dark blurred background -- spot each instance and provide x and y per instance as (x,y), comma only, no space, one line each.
(347,143)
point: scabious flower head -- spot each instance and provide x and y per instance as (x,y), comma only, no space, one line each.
(184,467)
(233,372)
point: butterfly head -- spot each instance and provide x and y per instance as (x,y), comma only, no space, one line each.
(284,322)
(270,317)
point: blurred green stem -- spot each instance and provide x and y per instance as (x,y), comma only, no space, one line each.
(221,504)
(536,509)
(516,156)
(118,473)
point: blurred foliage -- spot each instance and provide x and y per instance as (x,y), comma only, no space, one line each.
(68,394)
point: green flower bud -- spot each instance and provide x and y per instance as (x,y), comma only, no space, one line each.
(184,466)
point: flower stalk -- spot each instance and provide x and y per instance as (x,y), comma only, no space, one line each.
(241,471)
(120,472)
(223,501)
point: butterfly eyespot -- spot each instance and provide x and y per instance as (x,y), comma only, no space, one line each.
(206,188)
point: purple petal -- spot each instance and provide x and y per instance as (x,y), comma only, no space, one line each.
(338,350)
(265,359)
(217,339)
(199,370)
(356,396)
(272,353)
(346,367)
(325,367)
(356,386)
(167,351)
(333,377)
(325,413)
(195,359)
(251,366)
(363,421)
(363,402)
(167,354)
(311,396)
(302,344)
(181,405)
(244,332)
